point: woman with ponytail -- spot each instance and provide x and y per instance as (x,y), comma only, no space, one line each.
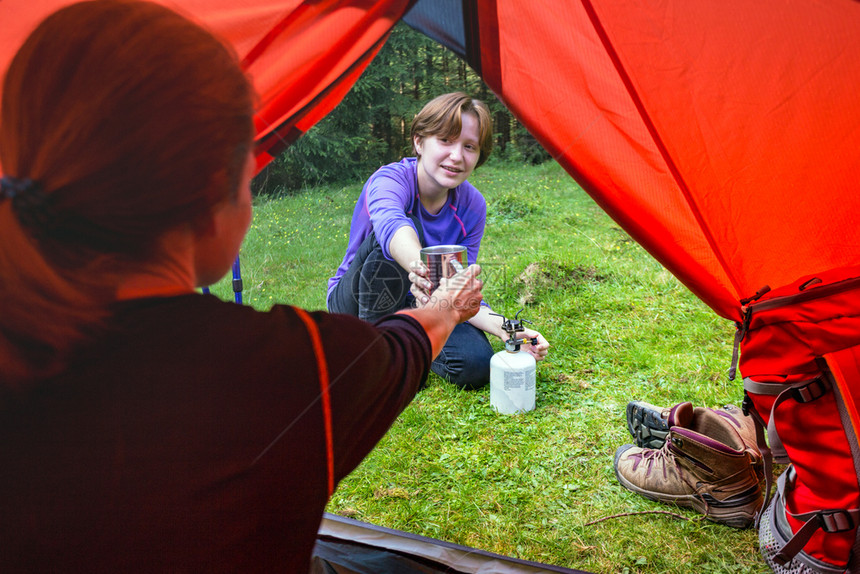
(145,426)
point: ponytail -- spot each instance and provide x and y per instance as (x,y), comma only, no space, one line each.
(127,120)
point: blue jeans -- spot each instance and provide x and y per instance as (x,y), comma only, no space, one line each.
(374,287)
(465,358)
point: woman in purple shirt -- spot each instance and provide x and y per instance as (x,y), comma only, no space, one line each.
(425,201)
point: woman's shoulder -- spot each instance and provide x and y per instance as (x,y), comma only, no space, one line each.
(468,194)
(398,177)
(404,169)
(250,327)
(397,168)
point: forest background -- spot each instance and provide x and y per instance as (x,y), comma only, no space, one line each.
(370,128)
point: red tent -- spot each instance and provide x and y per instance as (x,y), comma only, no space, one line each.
(724,137)
(303,56)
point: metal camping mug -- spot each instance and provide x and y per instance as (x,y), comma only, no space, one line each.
(443,261)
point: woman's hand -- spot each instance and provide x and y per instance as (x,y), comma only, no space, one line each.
(421,285)
(539,351)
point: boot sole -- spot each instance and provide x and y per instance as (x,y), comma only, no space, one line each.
(646,424)
(737,513)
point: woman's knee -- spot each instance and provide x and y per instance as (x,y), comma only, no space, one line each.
(469,370)
(382,287)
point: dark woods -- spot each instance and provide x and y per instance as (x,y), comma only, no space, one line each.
(371,126)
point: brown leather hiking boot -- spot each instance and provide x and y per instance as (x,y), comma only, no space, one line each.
(649,424)
(704,464)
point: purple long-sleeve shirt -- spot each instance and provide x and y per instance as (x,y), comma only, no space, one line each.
(390,195)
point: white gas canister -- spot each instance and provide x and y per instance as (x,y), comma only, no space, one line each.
(512,382)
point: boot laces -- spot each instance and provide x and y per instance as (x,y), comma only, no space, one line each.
(657,456)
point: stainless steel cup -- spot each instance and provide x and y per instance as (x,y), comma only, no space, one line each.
(443,261)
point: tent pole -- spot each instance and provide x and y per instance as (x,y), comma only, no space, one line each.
(237,281)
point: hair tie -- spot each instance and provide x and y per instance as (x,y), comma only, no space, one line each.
(10,187)
(28,200)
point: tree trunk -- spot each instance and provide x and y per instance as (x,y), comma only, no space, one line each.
(503,130)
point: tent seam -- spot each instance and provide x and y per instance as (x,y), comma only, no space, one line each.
(652,130)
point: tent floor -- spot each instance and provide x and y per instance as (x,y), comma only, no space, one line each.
(347,546)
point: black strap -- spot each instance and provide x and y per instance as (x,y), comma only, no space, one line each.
(767,457)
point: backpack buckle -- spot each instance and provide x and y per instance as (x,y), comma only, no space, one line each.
(808,393)
(835,521)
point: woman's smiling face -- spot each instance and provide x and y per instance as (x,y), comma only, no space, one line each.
(445,163)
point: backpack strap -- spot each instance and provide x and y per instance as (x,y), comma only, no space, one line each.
(325,398)
(748,408)
(802,392)
(831,520)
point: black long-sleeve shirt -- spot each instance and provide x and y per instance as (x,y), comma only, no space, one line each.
(192,438)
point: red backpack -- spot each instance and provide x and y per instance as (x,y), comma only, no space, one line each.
(800,358)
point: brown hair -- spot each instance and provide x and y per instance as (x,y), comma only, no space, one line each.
(132,121)
(442,117)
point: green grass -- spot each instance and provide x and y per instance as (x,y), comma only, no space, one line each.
(533,486)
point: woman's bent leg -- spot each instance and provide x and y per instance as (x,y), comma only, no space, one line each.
(382,287)
(372,286)
(465,359)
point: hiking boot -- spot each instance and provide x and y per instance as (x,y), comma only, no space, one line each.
(704,464)
(649,424)
(684,413)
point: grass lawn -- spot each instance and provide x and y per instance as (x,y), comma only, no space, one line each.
(538,486)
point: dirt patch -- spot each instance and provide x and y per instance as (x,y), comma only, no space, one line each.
(391,492)
(541,277)
(572,380)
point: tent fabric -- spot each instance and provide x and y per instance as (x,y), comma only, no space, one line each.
(303,56)
(722,136)
(348,546)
